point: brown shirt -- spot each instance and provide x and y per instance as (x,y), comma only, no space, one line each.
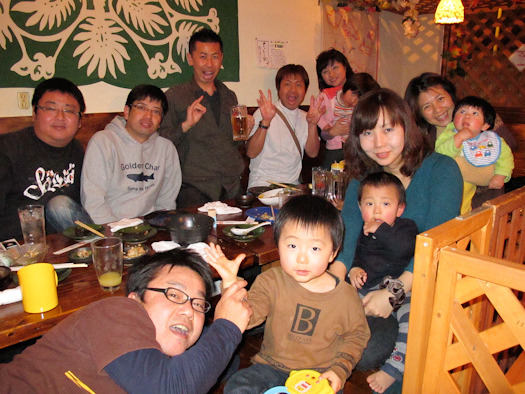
(84,344)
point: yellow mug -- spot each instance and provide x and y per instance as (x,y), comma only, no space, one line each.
(39,287)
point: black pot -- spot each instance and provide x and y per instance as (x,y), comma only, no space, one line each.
(188,228)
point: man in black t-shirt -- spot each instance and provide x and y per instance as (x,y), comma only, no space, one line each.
(42,164)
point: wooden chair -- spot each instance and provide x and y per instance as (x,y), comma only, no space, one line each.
(492,230)
(454,339)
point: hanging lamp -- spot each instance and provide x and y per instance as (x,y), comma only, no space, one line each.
(449,11)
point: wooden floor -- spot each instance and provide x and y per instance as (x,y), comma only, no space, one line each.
(251,344)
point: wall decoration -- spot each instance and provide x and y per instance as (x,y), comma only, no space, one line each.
(355,34)
(121,42)
(479,70)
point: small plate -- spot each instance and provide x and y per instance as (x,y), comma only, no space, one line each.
(81,234)
(131,260)
(81,255)
(262,214)
(244,238)
(160,219)
(138,233)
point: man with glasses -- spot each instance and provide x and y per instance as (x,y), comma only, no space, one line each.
(42,164)
(129,169)
(145,343)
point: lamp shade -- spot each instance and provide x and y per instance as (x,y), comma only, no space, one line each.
(449,11)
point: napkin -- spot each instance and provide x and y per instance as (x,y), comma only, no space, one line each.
(123,223)
(220,207)
(10,295)
(164,246)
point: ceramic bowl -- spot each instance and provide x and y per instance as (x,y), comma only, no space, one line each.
(134,252)
(28,253)
(81,255)
(270,197)
(245,200)
(188,228)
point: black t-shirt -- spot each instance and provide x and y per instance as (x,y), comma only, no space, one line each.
(33,172)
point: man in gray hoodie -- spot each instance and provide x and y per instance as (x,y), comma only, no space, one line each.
(129,169)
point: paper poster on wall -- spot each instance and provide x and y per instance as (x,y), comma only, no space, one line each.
(271,54)
(355,34)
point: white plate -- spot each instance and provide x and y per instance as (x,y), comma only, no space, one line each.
(270,197)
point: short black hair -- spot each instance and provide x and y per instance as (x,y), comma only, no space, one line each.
(61,85)
(204,35)
(360,84)
(142,273)
(488,111)
(381,179)
(327,58)
(311,211)
(291,69)
(152,92)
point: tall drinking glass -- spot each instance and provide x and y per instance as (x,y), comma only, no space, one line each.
(107,260)
(33,223)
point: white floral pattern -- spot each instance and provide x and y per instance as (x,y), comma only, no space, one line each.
(103,33)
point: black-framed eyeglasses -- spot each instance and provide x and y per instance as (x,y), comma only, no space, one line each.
(52,110)
(179,297)
(143,109)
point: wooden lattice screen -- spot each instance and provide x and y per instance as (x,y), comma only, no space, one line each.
(488,73)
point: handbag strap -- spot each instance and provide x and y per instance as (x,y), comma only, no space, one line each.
(291,131)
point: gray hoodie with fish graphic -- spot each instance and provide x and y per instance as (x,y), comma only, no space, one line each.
(122,178)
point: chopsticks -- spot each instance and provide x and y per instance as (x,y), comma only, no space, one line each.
(273,213)
(74,246)
(78,222)
(57,266)
(71,376)
(285,186)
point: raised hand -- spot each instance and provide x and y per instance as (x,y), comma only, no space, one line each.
(227,269)
(193,114)
(233,306)
(315,111)
(266,106)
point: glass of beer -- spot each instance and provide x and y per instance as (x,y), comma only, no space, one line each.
(239,123)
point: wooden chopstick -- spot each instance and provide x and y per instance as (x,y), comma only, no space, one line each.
(273,213)
(89,228)
(283,185)
(71,376)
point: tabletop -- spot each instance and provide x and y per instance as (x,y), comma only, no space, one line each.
(81,287)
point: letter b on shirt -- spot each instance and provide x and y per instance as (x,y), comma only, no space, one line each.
(305,320)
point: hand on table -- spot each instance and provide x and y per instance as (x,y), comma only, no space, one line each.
(227,269)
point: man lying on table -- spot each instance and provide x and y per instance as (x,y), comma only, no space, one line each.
(142,343)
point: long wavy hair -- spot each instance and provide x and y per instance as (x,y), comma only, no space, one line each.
(421,84)
(365,117)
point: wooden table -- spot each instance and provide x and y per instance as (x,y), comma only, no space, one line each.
(81,287)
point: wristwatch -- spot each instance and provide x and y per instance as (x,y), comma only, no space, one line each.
(261,126)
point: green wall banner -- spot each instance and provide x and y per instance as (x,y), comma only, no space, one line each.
(121,42)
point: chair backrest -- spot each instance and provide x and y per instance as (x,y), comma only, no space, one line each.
(495,230)
(456,343)
(468,232)
(509,226)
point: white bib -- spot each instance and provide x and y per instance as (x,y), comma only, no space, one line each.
(483,150)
